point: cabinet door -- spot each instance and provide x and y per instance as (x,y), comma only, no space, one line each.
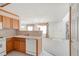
(6,22)
(11,23)
(0,18)
(0,22)
(9,45)
(17,44)
(15,24)
(22,45)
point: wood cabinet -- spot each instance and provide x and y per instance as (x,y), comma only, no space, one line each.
(0,18)
(9,23)
(30,46)
(15,24)
(23,45)
(6,22)
(9,45)
(19,44)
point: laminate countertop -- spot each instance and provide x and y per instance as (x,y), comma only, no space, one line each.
(26,37)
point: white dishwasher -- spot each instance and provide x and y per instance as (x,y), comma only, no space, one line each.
(2,46)
(31,46)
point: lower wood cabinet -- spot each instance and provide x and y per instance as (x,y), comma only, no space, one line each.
(23,45)
(17,44)
(9,45)
(30,46)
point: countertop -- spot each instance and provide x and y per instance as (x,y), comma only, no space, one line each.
(26,37)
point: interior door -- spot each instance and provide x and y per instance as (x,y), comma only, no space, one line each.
(74,30)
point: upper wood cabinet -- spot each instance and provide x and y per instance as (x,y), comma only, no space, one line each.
(15,24)
(6,22)
(9,23)
(0,18)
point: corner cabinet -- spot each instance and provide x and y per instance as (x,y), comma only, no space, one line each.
(16,44)
(19,44)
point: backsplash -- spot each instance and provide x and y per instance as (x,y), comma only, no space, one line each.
(7,32)
(29,33)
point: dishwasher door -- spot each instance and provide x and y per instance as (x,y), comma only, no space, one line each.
(31,46)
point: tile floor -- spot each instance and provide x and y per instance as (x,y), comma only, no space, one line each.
(16,53)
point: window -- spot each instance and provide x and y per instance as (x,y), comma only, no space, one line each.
(36,27)
(30,28)
(42,28)
(23,28)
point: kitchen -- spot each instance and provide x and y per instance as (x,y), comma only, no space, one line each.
(10,41)
(30,29)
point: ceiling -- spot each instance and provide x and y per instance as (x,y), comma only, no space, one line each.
(3,4)
(39,12)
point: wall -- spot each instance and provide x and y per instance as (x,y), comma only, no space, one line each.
(56,47)
(57,44)
(57,30)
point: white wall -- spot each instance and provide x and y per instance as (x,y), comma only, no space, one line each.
(56,47)
(58,29)
(57,44)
